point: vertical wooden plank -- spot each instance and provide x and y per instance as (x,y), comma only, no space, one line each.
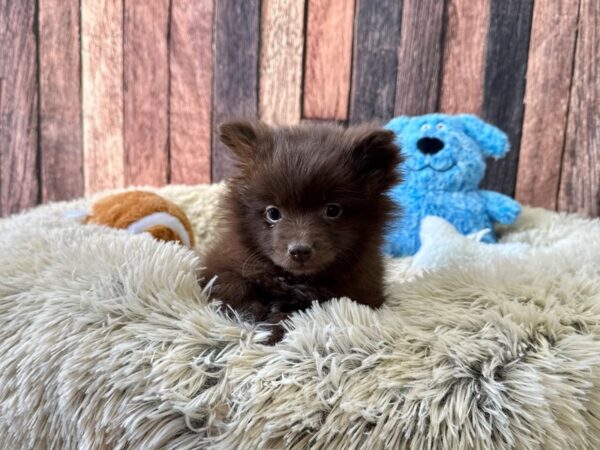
(145,91)
(419,57)
(464,56)
(61,144)
(375,60)
(18,107)
(191,59)
(506,65)
(328,59)
(549,72)
(102,86)
(235,71)
(282,41)
(580,179)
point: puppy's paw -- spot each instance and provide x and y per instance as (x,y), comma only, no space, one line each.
(277,334)
(302,295)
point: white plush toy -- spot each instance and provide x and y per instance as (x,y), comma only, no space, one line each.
(442,245)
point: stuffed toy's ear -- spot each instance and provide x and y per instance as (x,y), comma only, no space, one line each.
(244,138)
(492,140)
(375,156)
(398,124)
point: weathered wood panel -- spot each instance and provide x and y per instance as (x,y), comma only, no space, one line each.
(328,59)
(506,65)
(464,56)
(137,100)
(419,57)
(235,71)
(375,60)
(18,106)
(282,42)
(580,180)
(145,91)
(102,85)
(61,144)
(549,72)
(191,59)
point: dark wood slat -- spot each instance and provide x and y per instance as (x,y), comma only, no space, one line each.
(191,90)
(61,143)
(235,71)
(375,60)
(282,42)
(328,59)
(464,56)
(549,72)
(145,90)
(18,106)
(419,57)
(506,65)
(580,179)
(102,87)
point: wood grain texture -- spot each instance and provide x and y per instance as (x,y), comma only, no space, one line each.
(191,62)
(419,57)
(235,72)
(580,179)
(549,72)
(102,86)
(464,56)
(146,91)
(375,60)
(18,106)
(506,65)
(61,142)
(282,42)
(328,59)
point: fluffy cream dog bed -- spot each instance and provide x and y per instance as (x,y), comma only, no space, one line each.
(106,341)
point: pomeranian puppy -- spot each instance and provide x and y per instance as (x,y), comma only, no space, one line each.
(303,218)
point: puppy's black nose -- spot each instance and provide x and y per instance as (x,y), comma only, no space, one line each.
(300,252)
(430,146)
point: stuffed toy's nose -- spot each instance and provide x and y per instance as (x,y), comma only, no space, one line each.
(430,146)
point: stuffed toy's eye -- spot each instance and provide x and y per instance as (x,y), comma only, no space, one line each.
(440,126)
(425,127)
(272,214)
(333,210)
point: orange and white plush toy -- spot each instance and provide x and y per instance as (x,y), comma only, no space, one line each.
(142,211)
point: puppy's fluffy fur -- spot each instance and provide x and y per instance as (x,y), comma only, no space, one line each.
(304,217)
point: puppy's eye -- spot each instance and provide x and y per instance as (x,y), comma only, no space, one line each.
(272,214)
(425,127)
(333,210)
(440,126)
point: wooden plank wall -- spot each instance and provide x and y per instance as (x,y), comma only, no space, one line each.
(97,94)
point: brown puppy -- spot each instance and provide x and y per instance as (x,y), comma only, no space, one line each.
(304,218)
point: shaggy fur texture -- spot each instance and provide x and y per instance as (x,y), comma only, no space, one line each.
(106,341)
(327,187)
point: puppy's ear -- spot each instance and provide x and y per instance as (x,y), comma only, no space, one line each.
(244,138)
(376,157)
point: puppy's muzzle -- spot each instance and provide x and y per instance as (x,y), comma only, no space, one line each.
(300,252)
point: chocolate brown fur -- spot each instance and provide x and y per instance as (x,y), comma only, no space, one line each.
(300,170)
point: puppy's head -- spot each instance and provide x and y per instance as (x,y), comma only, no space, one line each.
(308,197)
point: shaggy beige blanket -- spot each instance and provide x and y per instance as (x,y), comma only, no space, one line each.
(106,341)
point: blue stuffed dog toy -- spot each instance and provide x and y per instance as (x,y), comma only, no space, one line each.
(444,161)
